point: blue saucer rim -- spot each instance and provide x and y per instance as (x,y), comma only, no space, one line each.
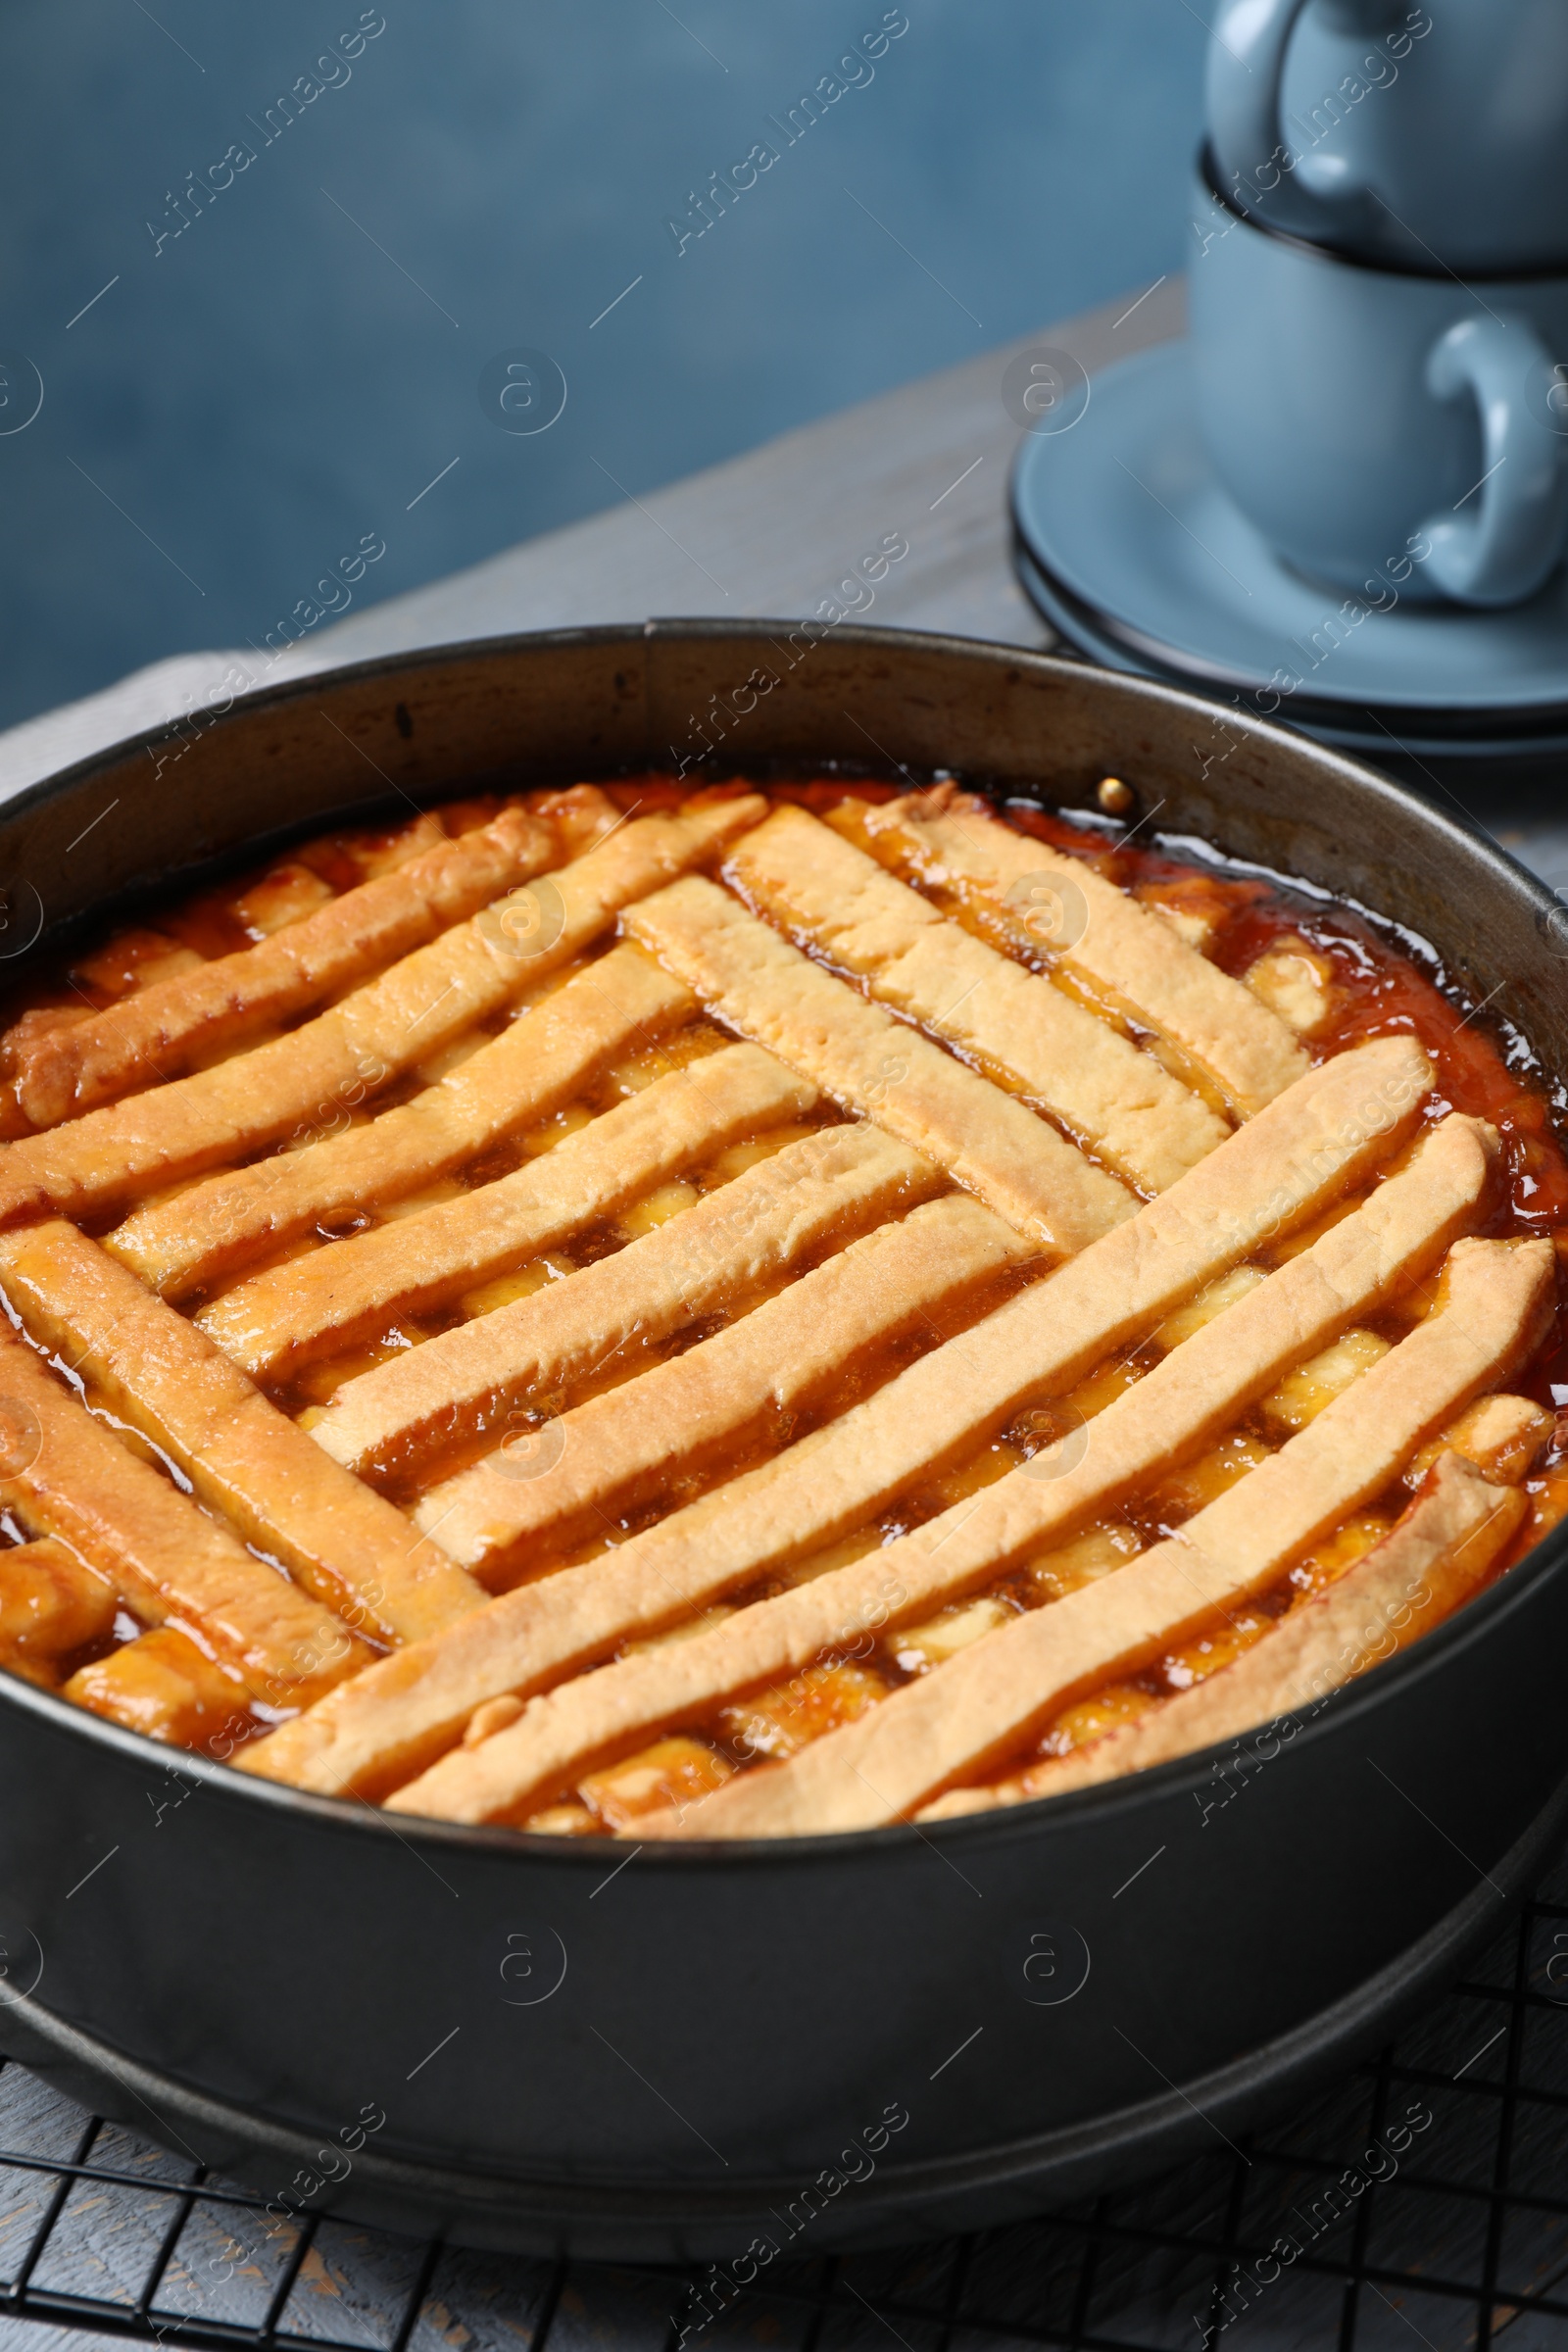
(1451,727)
(1344,725)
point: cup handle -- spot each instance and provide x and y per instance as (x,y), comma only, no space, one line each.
(1246,67)
(1502,549)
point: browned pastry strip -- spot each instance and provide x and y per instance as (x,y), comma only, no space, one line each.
(986,1140)
(344,1543)
(1118,1103)
(1433,1559)
(163,1686)
(1283,1167)
(154,1034)
(984,1702)
(67,1476)
(388,1025)
(1337,1119)
(1501,1436)
(1165,1418)
(326,1300)
(538,1062)
(51,1601)
(1127,957)
(582,814)
(628,1444)
(758,1226)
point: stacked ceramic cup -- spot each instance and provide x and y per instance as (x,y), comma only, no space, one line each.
(1379,298)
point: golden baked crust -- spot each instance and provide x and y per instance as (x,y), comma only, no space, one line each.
(804,1311)
(872,1064)
(1435,1558)
(1197,1390)
(336,1536)
(1123,955)
(71,1067)
(824,1186)
(164,1558)
(1119,1102)
(987,1699)
(388,1025)
(321,1303)
(530,1070)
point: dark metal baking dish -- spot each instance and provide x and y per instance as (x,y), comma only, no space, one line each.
(680,2050)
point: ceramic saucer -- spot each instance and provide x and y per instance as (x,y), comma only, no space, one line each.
(1130,547)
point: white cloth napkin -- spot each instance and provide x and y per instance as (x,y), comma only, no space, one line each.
(55,739)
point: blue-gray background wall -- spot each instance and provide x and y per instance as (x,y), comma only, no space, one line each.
(286,375)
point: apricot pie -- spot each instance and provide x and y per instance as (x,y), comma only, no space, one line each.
(613,1312)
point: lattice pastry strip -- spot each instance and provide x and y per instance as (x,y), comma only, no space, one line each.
(389,1025)
(77,1061)
(1283,1167)
(539,1061)
(873,1064)
(1126,956)
(1433,1561)
(322,1302)
(166,1560)
(772,1362)
(985,1701)
(1199,1390)
(1120,1104)
(829,1258)
(821,1187)
(52,1603)
(344,1543)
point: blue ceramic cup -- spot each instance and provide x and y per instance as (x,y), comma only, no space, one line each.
(1360,415)
(1429,136)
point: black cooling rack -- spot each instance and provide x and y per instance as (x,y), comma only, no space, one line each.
(1423,2200)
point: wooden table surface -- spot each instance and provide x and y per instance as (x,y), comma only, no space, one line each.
(766,535)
